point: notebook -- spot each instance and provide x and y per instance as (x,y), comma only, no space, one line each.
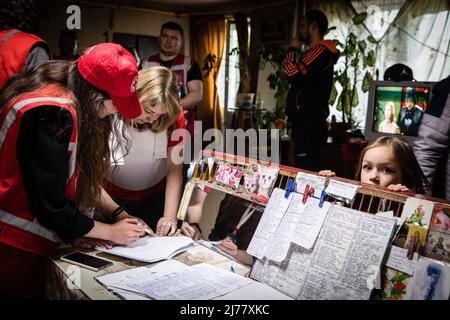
(151,249)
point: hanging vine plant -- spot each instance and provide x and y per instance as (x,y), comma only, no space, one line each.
(359,60)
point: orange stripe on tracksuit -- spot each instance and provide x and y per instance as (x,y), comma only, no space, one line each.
(316,53)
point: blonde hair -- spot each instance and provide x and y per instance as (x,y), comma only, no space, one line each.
(390,105)
(412,175)
(158,85)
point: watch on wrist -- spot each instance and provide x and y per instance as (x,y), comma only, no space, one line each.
(116,212)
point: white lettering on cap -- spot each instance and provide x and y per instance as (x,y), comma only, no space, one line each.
(134,84)
(90,49)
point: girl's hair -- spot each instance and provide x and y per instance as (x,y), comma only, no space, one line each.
(390,105)
(412,175)
(158,85)
(93,151)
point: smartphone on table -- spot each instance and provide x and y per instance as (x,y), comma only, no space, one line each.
(87,261)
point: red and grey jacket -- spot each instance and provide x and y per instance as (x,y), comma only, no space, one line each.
(19,227)
(180,66)
(14,48)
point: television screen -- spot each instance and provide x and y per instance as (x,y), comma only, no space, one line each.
(396,108)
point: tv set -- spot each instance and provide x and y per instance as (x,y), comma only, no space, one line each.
(396,108)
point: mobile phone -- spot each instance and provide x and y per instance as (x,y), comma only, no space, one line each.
(87,261)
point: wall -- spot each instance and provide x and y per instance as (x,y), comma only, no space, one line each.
(95,24)
(284,12)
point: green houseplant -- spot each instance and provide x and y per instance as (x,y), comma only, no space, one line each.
(359,61)
(277,81)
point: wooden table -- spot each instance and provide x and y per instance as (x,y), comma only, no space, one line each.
(65,281)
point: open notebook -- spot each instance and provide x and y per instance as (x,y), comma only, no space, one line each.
(151,249)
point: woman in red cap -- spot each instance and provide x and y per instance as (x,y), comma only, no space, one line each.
(55,121)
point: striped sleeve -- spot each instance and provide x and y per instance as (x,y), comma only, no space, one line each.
(313,61)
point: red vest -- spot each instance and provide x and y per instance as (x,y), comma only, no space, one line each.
(180,66)
(14,48)
(19,227)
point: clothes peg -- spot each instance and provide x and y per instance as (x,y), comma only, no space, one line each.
(288,189)
(309,191)
(322,198)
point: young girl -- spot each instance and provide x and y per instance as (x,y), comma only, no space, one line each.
(388,125)
(389,162)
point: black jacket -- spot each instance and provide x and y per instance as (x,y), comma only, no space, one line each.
(311,81)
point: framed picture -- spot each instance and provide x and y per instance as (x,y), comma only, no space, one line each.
(274,29)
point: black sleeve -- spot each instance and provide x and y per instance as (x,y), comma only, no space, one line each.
(42,145)
(313,62)
(194,72)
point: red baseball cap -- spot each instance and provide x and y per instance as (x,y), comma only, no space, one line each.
(111,68)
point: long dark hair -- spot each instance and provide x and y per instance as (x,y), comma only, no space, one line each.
(93,151)
(412,175)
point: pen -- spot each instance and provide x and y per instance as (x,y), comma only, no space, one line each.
(147,230)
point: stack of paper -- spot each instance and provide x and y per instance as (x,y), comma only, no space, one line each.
(199,282)
(151,249)
(123,283)
(180,281)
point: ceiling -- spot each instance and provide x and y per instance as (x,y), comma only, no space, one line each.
(190,7)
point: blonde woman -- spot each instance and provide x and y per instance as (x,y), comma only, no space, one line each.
(388,125)
(146,181)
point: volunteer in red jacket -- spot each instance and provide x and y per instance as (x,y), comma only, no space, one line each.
(147,180)
(19,50)
(55,121)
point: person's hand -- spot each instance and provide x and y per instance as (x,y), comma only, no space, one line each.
(294,43)
(398,187)
(90,243)
(327,173)
(228,246)
(191,231)
(166,227)
(124,215)
(127,231)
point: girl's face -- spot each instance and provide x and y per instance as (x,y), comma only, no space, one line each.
(108,109)
(151,113)
(380,167)
(388,115)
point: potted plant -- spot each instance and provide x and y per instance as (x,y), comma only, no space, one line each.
(357,71)
(278,82)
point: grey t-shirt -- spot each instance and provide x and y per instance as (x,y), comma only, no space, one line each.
(36,56)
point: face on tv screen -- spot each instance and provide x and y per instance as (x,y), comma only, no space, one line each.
(399,109)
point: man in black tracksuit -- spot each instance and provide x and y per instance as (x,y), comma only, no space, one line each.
(310,81)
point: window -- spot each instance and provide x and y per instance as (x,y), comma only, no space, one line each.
(228,83)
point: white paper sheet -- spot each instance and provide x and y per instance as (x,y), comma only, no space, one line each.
(124,282)
(279,245)
(274,212)
(347,255)
(255,291)
(309,223)
(151,249)
(398,260)
(341,189)
(317,182)
(213,245)
(343,263)
(199,282)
